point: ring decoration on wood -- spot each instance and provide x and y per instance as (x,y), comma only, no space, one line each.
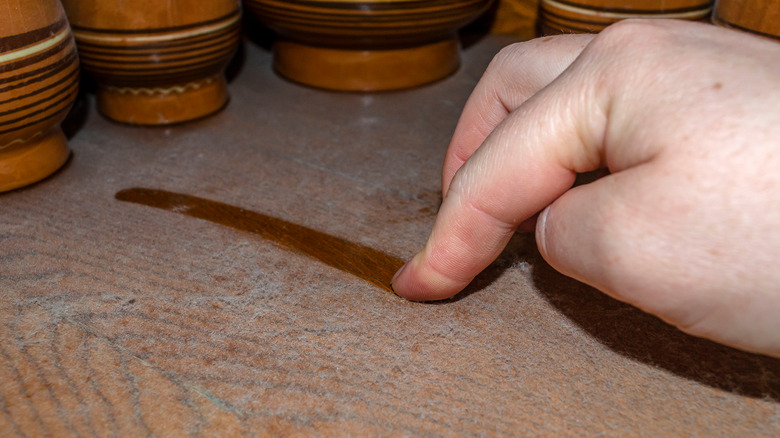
(590,16)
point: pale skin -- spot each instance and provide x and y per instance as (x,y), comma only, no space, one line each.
(686,118)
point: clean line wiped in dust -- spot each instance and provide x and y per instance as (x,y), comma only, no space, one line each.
(361,261)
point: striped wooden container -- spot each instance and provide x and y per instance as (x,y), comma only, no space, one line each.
(761,17)
(39,76)
(156,62)
(366,45)
(583,16)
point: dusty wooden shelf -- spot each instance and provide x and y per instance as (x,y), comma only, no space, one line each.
(118,319)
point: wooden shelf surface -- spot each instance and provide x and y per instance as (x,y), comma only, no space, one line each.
(119,319)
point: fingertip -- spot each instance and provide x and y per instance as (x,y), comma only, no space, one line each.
(417,282)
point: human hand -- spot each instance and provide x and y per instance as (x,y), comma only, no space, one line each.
(685,116)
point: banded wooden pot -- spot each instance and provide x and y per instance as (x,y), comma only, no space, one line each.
(39,76)
(583,16)
(366,45)
(761,17)
(156,62)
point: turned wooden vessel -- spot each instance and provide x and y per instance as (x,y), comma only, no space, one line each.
(761,17)
(366,45)
(583,16)
(156,62)
(39,77)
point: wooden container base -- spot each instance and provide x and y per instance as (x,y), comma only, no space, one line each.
(33,160)
(163,105)
(366,70)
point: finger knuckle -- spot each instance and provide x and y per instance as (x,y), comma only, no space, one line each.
(631,35)
(508,57)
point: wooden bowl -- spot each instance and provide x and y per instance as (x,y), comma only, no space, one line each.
(761,17)
(590,16)
(156,62)
(39,76)
(366,45)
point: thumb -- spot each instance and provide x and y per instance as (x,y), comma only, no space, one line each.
(584,232)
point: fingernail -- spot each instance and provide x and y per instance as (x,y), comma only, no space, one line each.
(541,232)
(397,274)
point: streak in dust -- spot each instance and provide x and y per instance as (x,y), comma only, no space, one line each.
(361,261)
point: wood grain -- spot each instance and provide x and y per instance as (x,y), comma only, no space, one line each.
(117,319)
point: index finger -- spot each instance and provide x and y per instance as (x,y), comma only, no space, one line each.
(516,73)
(528,161)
